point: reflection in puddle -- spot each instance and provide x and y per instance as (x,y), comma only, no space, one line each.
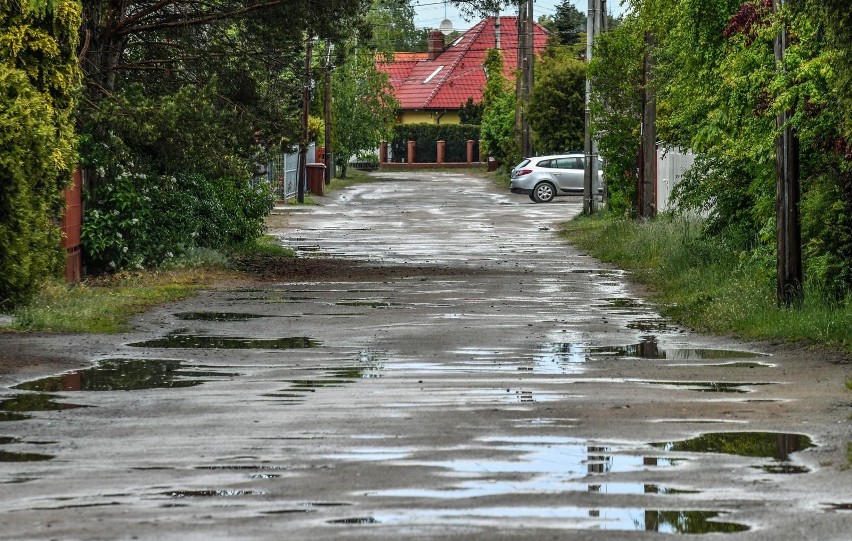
(776,445)
(216,316)
(124,375)
(189,341)
(651,325)
(479,489)
(783,468)
(6,456)
(606,518)
(839,506)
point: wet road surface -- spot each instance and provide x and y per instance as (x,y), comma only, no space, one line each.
(507,387)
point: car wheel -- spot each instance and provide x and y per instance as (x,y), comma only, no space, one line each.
(544,192)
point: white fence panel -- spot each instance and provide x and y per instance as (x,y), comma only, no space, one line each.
(672,163)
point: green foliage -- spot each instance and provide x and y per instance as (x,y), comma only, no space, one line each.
(557,104)
(568,23)
(616,106)
(498,115)
(392,23)
(426,137)
(471,113)
(38,80)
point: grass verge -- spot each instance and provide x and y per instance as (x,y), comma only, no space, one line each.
(106,304)
(705,285)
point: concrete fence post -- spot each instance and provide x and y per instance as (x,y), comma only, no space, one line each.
(442,147)
(411,152)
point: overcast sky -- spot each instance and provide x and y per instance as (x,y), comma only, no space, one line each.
(430,13)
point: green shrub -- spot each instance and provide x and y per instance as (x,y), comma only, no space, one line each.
(136,220)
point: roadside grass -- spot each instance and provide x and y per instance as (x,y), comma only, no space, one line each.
(705,285)
(106,304)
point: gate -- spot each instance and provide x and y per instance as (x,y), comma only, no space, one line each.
(282,173)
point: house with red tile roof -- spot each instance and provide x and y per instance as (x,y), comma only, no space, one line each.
(432,86)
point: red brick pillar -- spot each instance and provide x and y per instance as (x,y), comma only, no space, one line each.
(72,223)
(469,151)
(442,147)
(411,152)
(383,152)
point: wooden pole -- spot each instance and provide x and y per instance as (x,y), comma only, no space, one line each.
(787,195)
(329,157)
(647,202)
(303,144)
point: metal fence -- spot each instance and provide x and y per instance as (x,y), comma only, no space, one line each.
(282,173)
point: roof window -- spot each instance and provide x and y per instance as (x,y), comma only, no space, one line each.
(434,73)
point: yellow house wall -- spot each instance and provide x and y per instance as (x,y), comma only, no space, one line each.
(429,117)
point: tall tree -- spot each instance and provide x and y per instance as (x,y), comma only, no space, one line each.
(364,108)
(557,103)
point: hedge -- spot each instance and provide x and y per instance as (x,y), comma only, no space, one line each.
(427,136)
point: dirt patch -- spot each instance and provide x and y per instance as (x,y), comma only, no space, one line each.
(292,269)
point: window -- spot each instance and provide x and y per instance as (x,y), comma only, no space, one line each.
(434,73)
(569,163)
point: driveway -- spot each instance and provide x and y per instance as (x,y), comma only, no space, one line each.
(443,367)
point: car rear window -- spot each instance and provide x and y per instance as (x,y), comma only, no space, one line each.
(522,164)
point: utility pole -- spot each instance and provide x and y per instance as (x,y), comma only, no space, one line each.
(519,80)
(648,171)
(590,150)
(529,60)
(306,104)
(787,194)
(329,157)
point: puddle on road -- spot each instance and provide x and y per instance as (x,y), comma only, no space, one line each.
(125,375)
(190,341)
(368,303)
(34,402)
(783,469)
(708,386)
(220,493)
(603,518)
(12,416)
(652,325)
(647,349)
(217,316)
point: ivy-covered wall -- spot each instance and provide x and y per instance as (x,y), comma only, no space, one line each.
(38,81)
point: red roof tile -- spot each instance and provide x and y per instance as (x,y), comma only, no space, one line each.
(456,74)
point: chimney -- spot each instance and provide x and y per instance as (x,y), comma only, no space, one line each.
(436,44)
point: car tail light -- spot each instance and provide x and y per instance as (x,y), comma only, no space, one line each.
(523,172)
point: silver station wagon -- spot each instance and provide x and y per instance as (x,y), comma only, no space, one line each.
(545,177)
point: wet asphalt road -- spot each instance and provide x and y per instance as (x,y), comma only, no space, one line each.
(526,392)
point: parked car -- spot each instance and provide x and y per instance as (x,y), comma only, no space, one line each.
(545,177)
